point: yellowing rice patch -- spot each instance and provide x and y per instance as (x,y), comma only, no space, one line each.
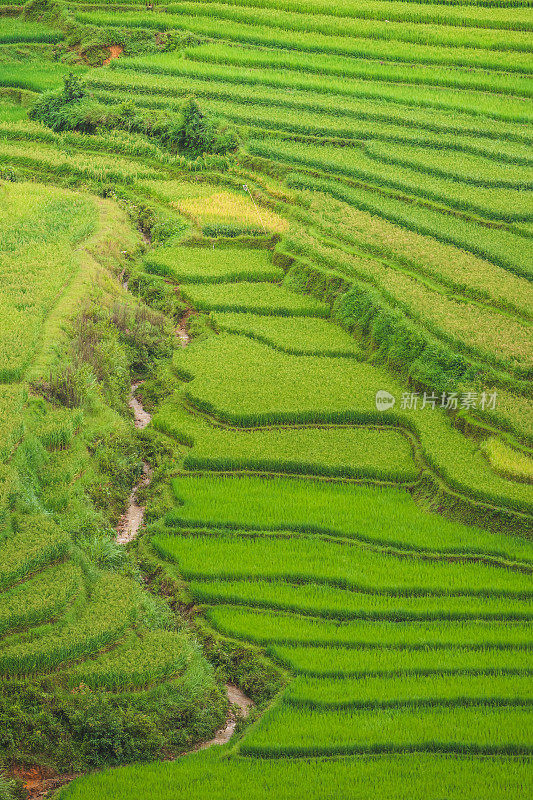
(230,208)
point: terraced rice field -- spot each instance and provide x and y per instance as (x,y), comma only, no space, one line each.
(53,609)
(65,616)
(401,634)
(360,569)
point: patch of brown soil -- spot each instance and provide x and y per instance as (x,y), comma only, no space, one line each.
(181,330)
(115,50)
(38,781)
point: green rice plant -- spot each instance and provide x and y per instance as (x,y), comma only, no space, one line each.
(217,210)
(266,627)
(140,660)
(447,264)
(369,69)
(300,336)
(372,28)
(41,76)
(295,32)
(297,122)
(256,298)
(32,213)
(307,122)
(234,378)
(466,13)
(310,559)
(287,731)
(390,777)
(382,455)
(515,413)
(474,330)
(111,609)
(121,142)
(58,427)
(222,265)
(97,167)
(21,30)
(409,690)
(35,542)
(425,635)
(41,598)
(114,141)
(11,112)
(497,203)
(419,97)
(392,662)
(447,163)
(342,604)
(507,461)
(500,246)
(12,399)
(342,113)
(9,489)
(388,517)
(39,228)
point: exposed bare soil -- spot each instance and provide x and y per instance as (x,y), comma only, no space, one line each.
(115,50)
(181,330)
(132,519)
(39,781)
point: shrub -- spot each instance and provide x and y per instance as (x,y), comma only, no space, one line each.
(189,131)
(10,789)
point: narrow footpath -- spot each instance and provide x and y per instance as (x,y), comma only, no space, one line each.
(129,526)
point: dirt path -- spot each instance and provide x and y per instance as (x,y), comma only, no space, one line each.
(141,418)
(181,330)
(128,528)
(39,781)
(222,736)
(130,522)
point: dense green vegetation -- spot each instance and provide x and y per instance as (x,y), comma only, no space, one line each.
(310,732)
(216,368)
(300,234)
(72,611)
(344,452)
(387,776)
(334,510)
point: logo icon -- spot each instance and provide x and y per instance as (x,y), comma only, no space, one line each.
(384,400)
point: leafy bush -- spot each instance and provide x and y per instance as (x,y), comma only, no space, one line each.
(87,728)
(189,131)
(11,789)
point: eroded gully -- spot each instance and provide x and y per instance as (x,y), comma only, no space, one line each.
(128,527)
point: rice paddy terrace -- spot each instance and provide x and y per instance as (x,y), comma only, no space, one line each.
(361,570)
